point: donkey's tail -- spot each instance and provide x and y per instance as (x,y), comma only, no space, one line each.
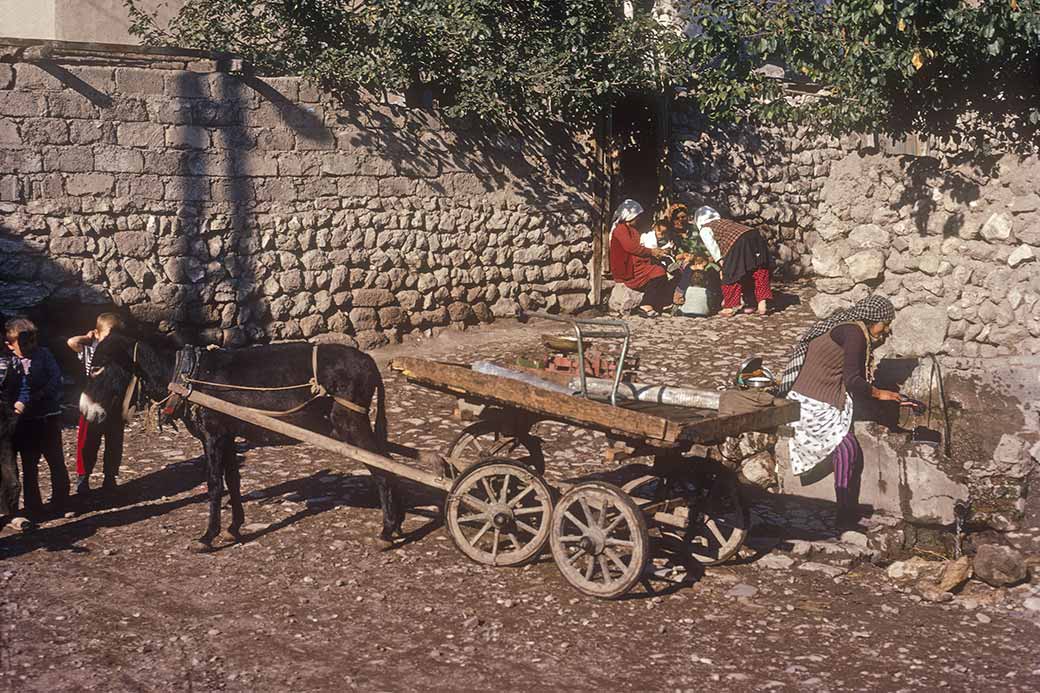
(381,432)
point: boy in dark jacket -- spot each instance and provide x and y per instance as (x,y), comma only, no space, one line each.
(14,397)
(39,429)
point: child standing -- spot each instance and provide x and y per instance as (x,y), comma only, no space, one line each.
(14,396)
(89,435)
(39,429)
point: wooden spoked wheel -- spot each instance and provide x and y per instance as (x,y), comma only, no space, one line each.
(482,440)
(599,539)
(720,519)
(499,513)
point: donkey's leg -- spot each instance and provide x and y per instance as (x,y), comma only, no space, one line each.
(215,447)
(354,428)
(389,501)
(233,479)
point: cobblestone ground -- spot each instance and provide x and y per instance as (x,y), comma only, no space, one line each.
(113,600)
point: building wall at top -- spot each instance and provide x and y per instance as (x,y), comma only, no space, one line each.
(27,18)
(95,21)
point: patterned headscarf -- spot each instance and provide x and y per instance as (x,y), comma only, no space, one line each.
(705,215)
(871,309)
(627,211)
(673,211)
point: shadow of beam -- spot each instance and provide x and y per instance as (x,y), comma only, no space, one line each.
(98,98)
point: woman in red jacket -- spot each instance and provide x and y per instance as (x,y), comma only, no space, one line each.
(632,264)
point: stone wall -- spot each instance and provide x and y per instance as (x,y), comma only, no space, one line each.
(951,238)
(769,178)
(236,209)
(954,245)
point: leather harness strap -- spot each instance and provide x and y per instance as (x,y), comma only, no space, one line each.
(131,388)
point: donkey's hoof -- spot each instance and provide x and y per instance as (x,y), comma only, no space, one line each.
(200,546)
(232,536)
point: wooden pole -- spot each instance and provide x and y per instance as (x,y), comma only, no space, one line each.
(303,435)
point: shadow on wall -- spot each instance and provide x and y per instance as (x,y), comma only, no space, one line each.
(195,260)
(50,294)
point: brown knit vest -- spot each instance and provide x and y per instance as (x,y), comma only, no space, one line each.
(726,233)
(822,377)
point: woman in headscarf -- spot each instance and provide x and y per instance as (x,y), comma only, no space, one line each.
(747,264)
(826,374)
(631,263)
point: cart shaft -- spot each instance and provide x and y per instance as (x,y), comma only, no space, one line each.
(351,452)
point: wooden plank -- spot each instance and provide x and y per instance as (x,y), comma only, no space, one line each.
(520,395)
(351,452)
(714,429)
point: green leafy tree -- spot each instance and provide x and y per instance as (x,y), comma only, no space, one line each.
(889,65)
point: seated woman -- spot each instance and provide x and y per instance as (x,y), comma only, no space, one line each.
(827,375)
(745,258)
(632,263)
(689,251)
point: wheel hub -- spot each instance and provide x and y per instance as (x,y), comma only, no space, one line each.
(501,516)
(593,542)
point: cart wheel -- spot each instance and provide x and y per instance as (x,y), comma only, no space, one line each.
(719,527)
(499,513)
(482,440)
(599,539)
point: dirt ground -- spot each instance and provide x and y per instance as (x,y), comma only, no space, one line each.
(113,600)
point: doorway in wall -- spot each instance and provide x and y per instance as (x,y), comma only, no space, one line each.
(635,140)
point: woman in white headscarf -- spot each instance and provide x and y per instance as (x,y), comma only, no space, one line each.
(631,263)
(747,264)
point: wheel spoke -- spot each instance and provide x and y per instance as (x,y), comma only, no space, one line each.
(472,518)
(575,556)
(581,525)
(494,547)
(590,567)
(487,488)
(474,503)
(505,487)
(589,519)
(604,568)
(570,538)
(715,530)
(516,542)
(614,523)
(623,543)
(615,559)
(530,511)
(526,527)
(485,528)
(520,496)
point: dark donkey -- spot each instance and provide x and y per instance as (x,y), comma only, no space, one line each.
(346,374)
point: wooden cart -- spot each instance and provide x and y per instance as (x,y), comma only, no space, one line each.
(501,511)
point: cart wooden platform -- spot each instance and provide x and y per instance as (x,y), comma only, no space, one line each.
(500,510)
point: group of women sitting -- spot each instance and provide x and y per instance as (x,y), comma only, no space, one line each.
(638,257)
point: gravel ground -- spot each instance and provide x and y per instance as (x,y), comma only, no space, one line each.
(112,599)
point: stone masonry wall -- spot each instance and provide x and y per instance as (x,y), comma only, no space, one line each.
(769,179)
(953,245)
(237,209)
(951,238)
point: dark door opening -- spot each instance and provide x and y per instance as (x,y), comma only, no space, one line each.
(636,149)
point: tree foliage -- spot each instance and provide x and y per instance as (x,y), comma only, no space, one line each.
(889,65)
